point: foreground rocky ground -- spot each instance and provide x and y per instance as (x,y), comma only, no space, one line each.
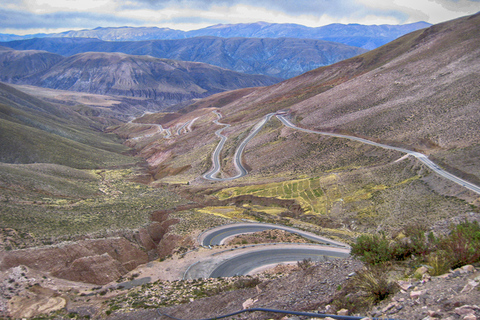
(455,295)
(324,287)
(330,287)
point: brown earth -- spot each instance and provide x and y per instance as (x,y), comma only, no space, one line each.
(99,261)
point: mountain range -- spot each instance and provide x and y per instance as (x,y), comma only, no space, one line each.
(281,58)
(65,175)
(162,80)
(364,36)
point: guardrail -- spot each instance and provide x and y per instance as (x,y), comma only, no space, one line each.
(296,313)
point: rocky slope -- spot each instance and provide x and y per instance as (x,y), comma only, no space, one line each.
(280,58)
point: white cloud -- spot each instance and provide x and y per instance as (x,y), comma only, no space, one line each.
(53,6)
(177,18)
(433,11)
(64,15)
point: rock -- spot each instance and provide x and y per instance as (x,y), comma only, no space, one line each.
(404,285)
(99,269)
(145,239)
(416,294)
(432,313)
(121,256)
(466,310)
(469,286)
(467,269)
(389,306)
(421,271)
(470,317)
(342,312)
(330,309)
(249,303)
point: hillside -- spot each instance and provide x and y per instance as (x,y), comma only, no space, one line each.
(160,80)
(34,131)
(419,92)
(364,36)
(19,64)
(281,58)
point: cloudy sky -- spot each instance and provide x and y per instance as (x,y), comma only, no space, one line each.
(34,16)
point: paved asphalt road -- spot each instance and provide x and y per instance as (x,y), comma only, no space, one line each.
(246,262)
(237,159)
(216,236)
(211,175)
(243,260)
(421,157)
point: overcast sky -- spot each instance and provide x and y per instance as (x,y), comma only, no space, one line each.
(34,16)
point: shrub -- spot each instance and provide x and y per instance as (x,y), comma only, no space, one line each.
(373,249)
(462,244)
(439,263)
(305,263)
(243,283)
(373,281)
(460,247)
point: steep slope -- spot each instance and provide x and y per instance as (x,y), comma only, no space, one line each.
(18,64)
(33,131)
(420,92)
(282,58)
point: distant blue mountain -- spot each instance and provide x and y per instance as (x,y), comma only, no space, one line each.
(363,36)
(280,58)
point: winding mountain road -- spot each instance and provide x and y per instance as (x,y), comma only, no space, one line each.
(420,156)
(251,258)
(237,158)
(247,262)
(218,235)
(255,257)
(211,175)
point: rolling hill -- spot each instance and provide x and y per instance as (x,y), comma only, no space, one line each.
(19,64)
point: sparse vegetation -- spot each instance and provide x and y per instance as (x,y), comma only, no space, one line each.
(460,247)
(165,293)
(64,203)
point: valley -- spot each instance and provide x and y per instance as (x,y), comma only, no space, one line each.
(120,201)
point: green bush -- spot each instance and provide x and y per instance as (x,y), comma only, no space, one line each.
(462,244)
(414,243)
(460,247)
(373,249)
(374,283)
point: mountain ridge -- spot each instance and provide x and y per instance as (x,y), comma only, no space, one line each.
(280,57)
(163,80)
(364,36)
